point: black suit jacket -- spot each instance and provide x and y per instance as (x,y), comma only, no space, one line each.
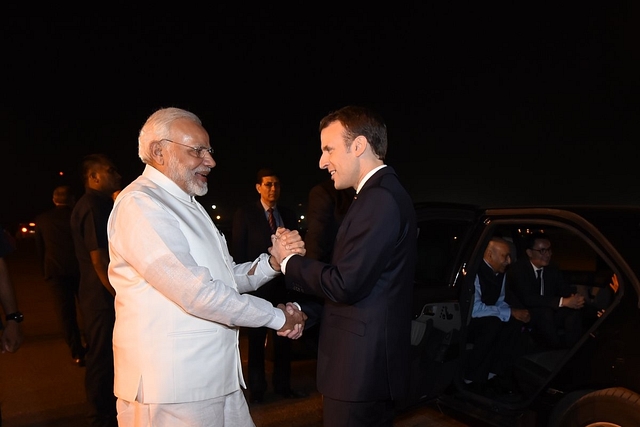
(251,236)
(54,243)
(366,322)
(523,290)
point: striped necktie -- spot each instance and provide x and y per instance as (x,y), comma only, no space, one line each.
(272,221)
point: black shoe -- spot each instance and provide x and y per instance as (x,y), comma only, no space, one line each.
(292,394)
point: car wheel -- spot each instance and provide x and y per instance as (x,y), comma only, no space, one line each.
(610,407)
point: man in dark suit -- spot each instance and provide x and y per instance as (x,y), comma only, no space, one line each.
(363,355)
(54,244)
(251,236)
(552,303)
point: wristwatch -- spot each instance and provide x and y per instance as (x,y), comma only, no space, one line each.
(16,317)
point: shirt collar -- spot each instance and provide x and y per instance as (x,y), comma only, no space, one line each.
(534,267)
(166,183)
(266,208)
(367,176)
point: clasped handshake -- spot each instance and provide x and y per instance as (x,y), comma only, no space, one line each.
(287,242)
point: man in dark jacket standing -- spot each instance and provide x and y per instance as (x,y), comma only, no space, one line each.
(54,244)
(253,226)
(89,229)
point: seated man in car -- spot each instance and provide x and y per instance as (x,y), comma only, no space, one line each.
(495,328)
(537,285)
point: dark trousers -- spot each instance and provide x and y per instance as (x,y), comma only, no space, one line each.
(496,346)
(546,324)
(338,413)
(281,361)
(65,292)
(98,326)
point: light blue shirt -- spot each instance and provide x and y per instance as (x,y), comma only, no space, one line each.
(501,309)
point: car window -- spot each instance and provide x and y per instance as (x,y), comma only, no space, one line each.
(438,248)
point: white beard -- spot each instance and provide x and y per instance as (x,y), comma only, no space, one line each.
(179,173)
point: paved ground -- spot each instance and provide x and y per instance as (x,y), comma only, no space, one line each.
(39,386)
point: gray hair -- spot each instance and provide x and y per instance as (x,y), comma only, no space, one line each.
(158,127)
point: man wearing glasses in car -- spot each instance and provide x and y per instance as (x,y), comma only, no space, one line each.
(536,284)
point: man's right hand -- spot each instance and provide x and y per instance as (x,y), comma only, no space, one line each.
(521,314)
(286,242)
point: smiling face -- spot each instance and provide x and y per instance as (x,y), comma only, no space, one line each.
(338,158)
(498,255)
(540,253)
(184,167)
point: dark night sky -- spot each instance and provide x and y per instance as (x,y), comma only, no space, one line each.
(485,105)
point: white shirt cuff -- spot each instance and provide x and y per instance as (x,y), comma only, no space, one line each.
(278,320)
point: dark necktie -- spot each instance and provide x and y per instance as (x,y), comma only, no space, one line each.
(272,221)
(539,278)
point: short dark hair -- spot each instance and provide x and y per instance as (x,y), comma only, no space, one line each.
(90,162)
(360,121)
(536,235)
(265,172)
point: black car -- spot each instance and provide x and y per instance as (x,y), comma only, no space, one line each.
(597,380)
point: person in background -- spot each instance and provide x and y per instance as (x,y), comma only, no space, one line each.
(540,287)
(252,229)
(12,336)
(363,354)
(89,230)
(54,245)
(11,332)
(326,208)
(495,327)
(180,297)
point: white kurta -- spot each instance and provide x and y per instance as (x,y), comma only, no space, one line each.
(179,298)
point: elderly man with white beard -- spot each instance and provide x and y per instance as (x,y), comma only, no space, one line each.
(180,297)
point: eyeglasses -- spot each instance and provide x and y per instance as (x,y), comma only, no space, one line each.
(198,150)
(544,251)
(271,184)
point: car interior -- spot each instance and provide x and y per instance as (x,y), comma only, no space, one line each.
(442,309)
